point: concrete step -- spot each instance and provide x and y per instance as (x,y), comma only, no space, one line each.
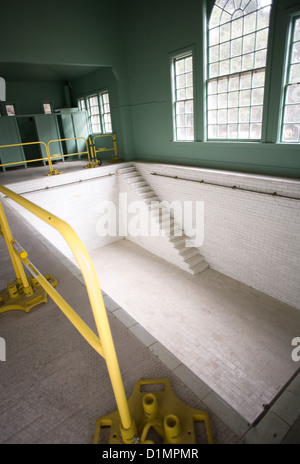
(200,267)
(144,188)
(126,170)
(135,180)
(188,252)
(130,175)
(194,260)
(147,194)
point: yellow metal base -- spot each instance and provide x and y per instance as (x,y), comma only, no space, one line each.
(54,172)
(115,160)
(160,417)
(14,297)
(93,164)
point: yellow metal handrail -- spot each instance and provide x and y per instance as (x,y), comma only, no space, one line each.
(48,158)
(69,154)
(106,149)
(104,344)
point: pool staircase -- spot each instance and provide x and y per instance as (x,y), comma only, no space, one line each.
(186,257)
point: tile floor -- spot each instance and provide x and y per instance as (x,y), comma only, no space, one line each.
(237,340)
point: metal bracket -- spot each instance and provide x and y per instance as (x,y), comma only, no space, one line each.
(14,297)
(160,417)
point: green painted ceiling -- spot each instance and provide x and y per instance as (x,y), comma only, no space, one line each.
(33,72)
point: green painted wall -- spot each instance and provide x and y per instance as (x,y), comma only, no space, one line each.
(158,29)
(28,95)
(61,32)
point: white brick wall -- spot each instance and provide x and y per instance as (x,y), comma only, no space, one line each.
(77,204)
(251,237)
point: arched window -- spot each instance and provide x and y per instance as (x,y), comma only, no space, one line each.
(237,54)
(290,129)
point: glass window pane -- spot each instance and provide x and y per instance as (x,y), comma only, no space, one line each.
(245,97)
(212,102)
(263,17)
(291,133)
(238,38)
(212,117)
(180,108)
(236,65)
(258,78)
(236,47)
(212,87)
(234,82)
(246,81)
(181,133)
(255,131)
(233,99)
(262,39)
(232,131)
(222,131)
(244,131)
(293,94)
(256,114)
(257,96)
(237,28)
(225,32)
(189,106)
(295,73)
(212,132)
(249,43)
(222,100)
(179,67)
(224,51)
(181,94)
(249,23)
(292,113)
(244,114)
(296,52)
(233,115)
(222,116)
(214,36)
(248,61)
(188,64)
(189,92)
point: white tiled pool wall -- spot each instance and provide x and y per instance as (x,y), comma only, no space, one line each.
(75,198)
(251,237)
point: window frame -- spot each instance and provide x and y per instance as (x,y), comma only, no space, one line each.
(175,56)
(286,77)
(85,101)
(251,71)
(10,103)
(47,102)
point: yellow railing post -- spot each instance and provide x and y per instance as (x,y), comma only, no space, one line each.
(21,278)
(128,426)
(108,149)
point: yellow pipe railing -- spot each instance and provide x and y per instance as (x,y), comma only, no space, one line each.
(90,151)
(69,154)
(104,344)
(106,149)
(48,158)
